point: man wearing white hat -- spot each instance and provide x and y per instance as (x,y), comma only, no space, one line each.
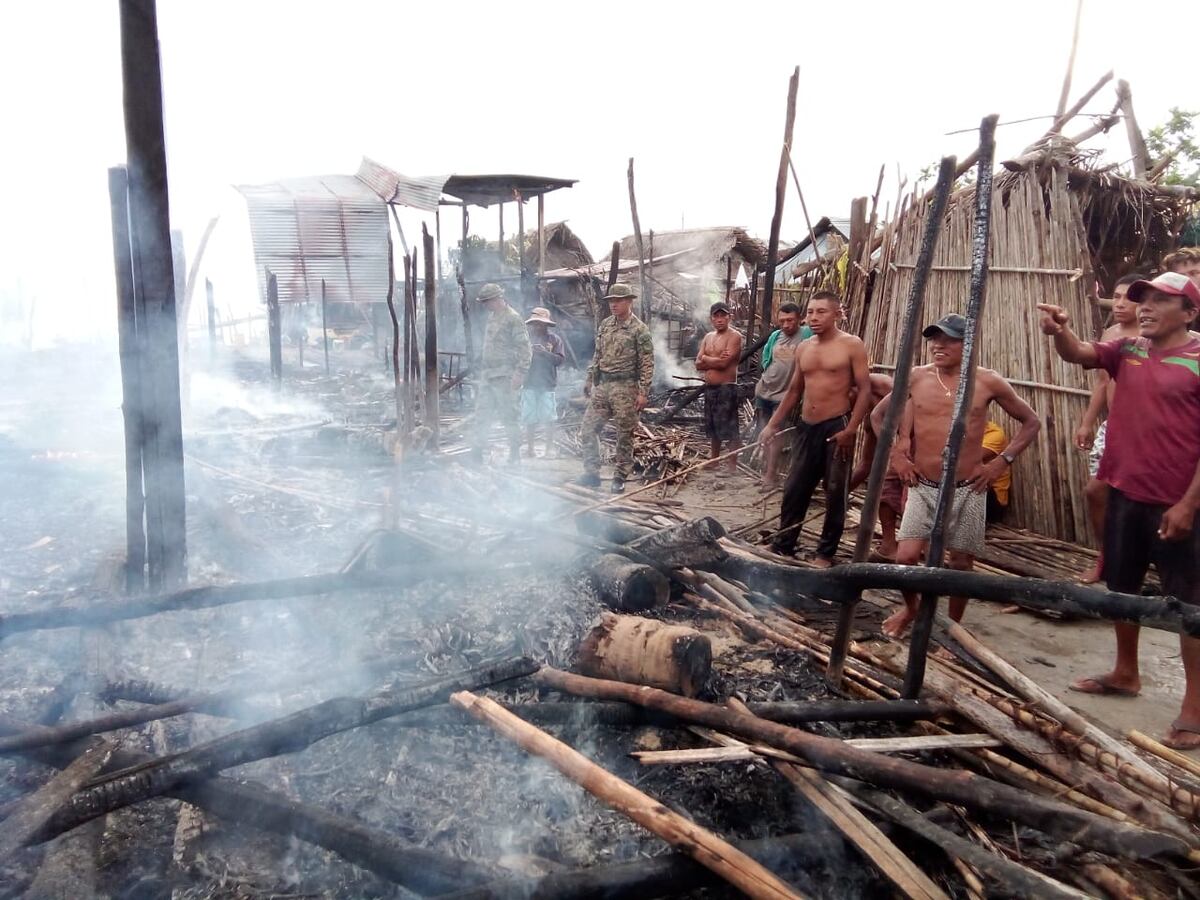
(538,402)
(503,363)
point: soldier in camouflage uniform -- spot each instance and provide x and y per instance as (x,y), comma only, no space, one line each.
(503,363)
(618,382)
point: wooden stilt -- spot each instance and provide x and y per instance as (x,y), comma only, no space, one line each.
(430,417)
(780,188)
(324,326)
(637,237)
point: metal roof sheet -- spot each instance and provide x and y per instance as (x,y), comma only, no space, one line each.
(422,192)
(331,227)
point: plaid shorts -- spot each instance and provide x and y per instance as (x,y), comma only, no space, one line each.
(1097,450)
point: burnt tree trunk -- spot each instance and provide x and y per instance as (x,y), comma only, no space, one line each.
(645,651)
(627,586)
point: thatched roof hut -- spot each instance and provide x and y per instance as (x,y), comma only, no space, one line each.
(1059,226)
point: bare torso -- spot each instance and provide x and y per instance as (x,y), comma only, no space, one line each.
(933,409)
(828,376)
(715,344)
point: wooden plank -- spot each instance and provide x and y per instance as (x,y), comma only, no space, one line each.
(705,847)
(875,745)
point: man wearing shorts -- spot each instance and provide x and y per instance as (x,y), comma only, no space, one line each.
(538,402)
(917,459)
(1152,467)
(718,359)
(778,357)
(1124,313)
(891,499)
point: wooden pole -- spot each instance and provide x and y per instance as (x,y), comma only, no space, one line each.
(210,310)
(437,230)
(1065,94)
(414,376)
(812,235)
(603,312)
(1061,121)
(833,756)
(131,387)
(154,285)
(468,337)
(637,237)
(274,329)
(780,189)
(705,847)
(500,243)
(891,420)
(1137,143)
(324,326)
(402,414)
(541,235)
(923,625)
(525,294)
(431,339)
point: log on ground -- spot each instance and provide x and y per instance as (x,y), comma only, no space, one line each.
(627,586)
(646,651)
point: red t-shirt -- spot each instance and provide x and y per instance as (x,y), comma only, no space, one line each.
(1153,442)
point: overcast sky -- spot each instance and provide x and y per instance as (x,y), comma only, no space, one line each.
(261,89)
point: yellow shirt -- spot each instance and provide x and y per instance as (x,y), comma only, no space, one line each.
(996,440)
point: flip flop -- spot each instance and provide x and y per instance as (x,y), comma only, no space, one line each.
(1185,744)
(1101,688)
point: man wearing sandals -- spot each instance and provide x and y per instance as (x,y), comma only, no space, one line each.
(1152,467)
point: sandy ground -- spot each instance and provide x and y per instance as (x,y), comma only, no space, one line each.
(1052,652)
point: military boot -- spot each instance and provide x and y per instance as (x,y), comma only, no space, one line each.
(588,480)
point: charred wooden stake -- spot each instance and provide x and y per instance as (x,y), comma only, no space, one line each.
(891,420)
(706,848)
(647,651)
(34,811)
(923,625)
(286,735)
(780,193)
(673,875)
(274,328)
(829,755)
(429,413)
(324,326)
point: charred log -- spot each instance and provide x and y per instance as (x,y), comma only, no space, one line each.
(692,544)
(627,586)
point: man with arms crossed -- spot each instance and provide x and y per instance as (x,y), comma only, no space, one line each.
(1152,467)
(829,369)
(720,353)
(917,458)
(1124,313)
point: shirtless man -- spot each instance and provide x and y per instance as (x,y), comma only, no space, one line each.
(917,459)
(829,368)
(891,501)
(1124,313)
(1185,261)
(720,353)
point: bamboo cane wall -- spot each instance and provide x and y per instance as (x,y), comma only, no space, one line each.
(1038,254)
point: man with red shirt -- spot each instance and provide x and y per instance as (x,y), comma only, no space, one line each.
(1152,465)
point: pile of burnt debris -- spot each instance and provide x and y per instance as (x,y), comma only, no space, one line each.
(536,693)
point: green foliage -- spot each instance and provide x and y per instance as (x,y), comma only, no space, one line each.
(475,244)
(1177,136)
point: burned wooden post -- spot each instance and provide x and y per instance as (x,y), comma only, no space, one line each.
(402,411)
(637,237)
(413,377)
(891,419)
(766,314)
(131,391)
(468,337)
(324,327)
(918,646)
(780,190)
(154,285)
(541,235)
(274,329)
(500,243)
(210,310)
(431,340)
(525,292)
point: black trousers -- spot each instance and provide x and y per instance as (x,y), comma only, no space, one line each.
(814,460)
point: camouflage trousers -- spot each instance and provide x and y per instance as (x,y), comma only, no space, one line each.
(496,400)
(616,400)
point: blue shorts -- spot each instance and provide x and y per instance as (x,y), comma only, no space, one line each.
(538,407)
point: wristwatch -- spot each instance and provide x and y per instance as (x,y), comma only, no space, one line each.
(1007,457)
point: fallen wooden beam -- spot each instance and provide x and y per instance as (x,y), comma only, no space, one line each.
(244,802)
(624,585)
(705,847)
(208,596)
(829,755)
(638,650)
(284,735)
(32,812)
(841,583)
(672,875)
(875,745)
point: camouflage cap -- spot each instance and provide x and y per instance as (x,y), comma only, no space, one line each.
(490,292)
(620,292)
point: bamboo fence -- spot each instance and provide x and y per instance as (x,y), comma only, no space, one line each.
(1038,255)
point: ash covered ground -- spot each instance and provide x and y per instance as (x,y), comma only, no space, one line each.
(293,483)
